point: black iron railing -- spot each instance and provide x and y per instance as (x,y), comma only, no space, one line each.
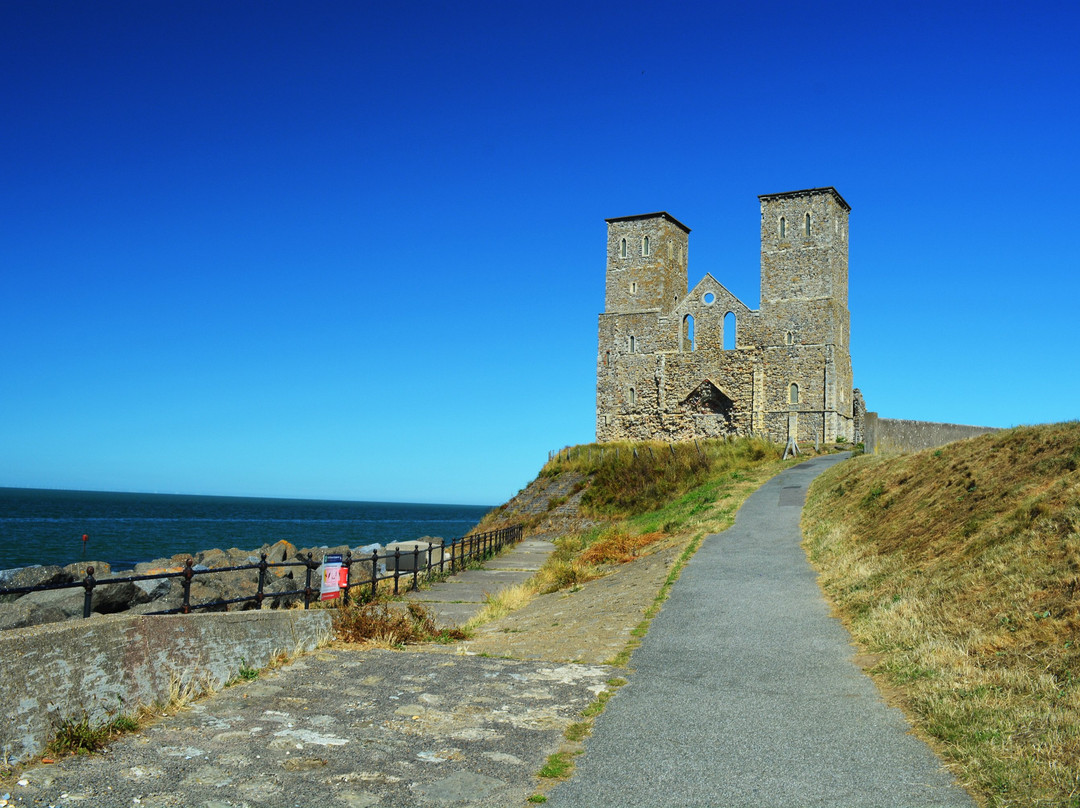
(426,560)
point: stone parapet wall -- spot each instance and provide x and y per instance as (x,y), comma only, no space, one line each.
(105,666)
(897,435)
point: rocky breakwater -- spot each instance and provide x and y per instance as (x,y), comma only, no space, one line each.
(283,585)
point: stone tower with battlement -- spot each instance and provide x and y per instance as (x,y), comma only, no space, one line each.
(676,363)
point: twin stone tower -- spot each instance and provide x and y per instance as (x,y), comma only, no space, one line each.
(676,364)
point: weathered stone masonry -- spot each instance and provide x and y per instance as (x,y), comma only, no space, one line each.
(663,371)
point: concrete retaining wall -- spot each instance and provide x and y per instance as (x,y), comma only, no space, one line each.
(105,666)
(895,435)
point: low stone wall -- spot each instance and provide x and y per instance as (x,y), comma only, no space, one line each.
(105,666)
(896,435)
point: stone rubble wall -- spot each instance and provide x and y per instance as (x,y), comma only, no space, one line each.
(887,435)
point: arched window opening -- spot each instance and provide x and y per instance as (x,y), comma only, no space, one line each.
(633,396)
(729,331)
(645,246)
(622,249)
(808,223)
(783,227)
(688,342)
(633,287)
(632,346)
(793,394)
(607,358)
(789,338)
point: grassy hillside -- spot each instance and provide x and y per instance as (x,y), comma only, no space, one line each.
(605,505)
(959,569)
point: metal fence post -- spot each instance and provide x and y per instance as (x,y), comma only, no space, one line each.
(348,571)
(307,583)
(262,580)
(189,573)
(374,573)
(88,598)
(415,565)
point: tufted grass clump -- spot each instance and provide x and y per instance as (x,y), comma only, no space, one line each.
(80,737)
(388,625)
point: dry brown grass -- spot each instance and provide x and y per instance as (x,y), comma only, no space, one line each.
(961,567)
(502,603)
(617,546)
(389,625)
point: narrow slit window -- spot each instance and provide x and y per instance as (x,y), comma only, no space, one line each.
(633,396)
(793,394)
(729,331)
(807,225)
(632,346)
(783,227)
(607,358)
(645,246)
(688,333)
(633,287)
(622,249)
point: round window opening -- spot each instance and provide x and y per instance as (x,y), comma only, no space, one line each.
(709,298)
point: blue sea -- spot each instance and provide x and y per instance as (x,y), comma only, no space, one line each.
(46,527)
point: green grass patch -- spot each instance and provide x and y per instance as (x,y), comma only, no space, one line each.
(80,737)
(578,731)
(558,766)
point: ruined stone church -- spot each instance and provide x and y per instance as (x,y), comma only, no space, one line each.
(677,363)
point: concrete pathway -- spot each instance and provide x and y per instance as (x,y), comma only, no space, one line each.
(349,728)
(339,729)
(455,600)
(746,692)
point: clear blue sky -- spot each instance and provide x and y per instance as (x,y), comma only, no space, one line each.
(356,250)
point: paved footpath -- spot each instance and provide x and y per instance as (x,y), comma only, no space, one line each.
(459,597)
(745,692)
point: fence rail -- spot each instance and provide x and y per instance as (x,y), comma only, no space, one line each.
(452,556)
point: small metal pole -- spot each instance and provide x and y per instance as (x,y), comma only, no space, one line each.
(88,598)
(442,557)
(415,566)
(397,568)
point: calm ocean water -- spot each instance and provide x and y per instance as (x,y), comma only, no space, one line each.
(46,527)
